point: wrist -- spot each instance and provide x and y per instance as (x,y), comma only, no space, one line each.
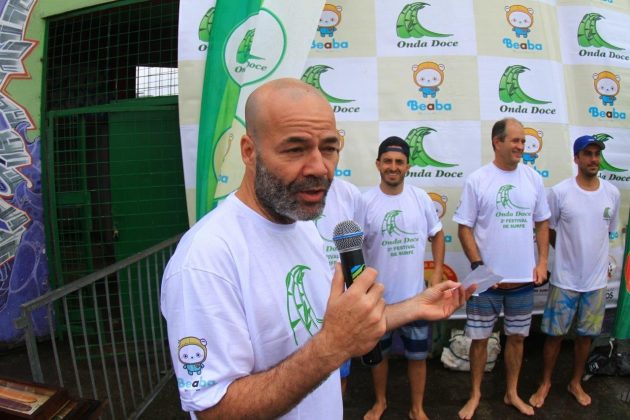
(475,264)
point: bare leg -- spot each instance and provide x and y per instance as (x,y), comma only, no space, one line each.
(379,378)
(478,355)
(513,358)
(580,354)
(550,356)
(417,372)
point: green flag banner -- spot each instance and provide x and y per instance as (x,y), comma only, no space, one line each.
(249,42)
(621,329)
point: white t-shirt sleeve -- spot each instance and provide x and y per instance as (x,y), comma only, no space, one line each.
(614,220)
(433,221)
(203,309)
(554,208)
(541,211)
(467,210)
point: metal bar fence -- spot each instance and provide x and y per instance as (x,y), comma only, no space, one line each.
(107,336)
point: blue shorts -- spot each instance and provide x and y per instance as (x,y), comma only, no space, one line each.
(482,311)
(562,306)
(416,338)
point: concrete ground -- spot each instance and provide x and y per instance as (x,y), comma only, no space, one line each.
(447,391)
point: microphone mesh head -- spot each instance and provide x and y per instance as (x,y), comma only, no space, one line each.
(348,236)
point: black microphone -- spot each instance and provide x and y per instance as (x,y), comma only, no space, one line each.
(348,238)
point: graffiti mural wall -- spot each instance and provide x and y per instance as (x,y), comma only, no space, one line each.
(23,268)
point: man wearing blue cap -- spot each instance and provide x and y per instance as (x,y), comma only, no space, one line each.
(584,210)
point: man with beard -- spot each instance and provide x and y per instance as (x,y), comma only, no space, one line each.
(584,210)
(248,295)
(398,221)
(502,203)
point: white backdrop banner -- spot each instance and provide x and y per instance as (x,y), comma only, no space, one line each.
(436,73)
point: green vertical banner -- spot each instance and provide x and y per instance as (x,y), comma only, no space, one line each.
(621,330)
(250,42)
(220,91)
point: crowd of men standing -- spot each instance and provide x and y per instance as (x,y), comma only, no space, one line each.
(252,309)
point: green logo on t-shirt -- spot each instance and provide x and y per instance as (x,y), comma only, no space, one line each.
(389,225)
(299,308)
(504,202)
(607,213)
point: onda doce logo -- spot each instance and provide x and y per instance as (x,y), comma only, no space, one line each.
(299,308)
(205,27)
(428,76)
(589,38)
(312,76)
(408,26)
(607,86)
(604,165)
(328,24)
(510,91)
(420,161)
(510,214)
(521,20)
(246,65)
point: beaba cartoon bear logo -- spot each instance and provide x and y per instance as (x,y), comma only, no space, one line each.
(342,141)
(533,146)
(510,91)
(428,76)
(421,163)
(328,24)
(521,19)
(439,203)
(312,76)
(408,26)
(607,86)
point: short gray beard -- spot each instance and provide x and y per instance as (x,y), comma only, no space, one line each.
(281,201)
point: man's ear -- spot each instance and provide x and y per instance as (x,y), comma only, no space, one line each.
(248,150)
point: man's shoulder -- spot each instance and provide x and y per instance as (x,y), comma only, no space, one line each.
(610,188)
(343,187)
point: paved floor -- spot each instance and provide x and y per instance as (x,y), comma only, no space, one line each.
(447,391)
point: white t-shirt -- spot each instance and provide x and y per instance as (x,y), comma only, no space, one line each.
(502,207)
(248,292)
(396,231)
(343,202)
(582,220)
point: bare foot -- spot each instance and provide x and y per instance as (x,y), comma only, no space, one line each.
(538,398)
(418,414)
(376,411)
(519,404)
(468,410)
(580,395)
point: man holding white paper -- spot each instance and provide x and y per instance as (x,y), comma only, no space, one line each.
(502,203)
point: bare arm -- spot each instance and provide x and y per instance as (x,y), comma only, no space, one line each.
(542,243)
(435,303)
(353,324)
(467,239)
(438,250)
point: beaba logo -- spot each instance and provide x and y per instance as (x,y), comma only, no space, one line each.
(342,142)
(521,20)
(428,76)
(312,76)
(328,22)
(510,91)
(419,158)
(409,26)
(439,202)
(607,86)
(533,145)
